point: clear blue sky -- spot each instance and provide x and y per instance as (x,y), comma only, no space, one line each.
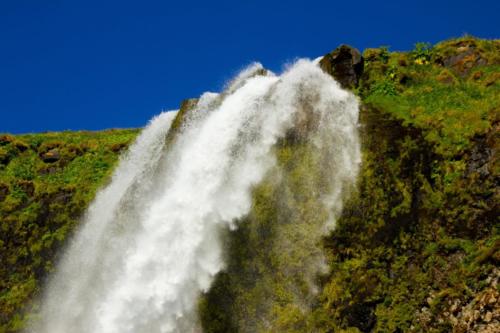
(85,64)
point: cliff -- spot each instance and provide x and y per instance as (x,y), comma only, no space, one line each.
(415,250)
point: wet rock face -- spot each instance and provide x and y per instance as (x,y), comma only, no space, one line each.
(482,158)
(188,104)
(345,64)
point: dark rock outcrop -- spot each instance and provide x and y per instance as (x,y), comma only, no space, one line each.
(345,64)
(464,57)
(51,156)
(187,105)
(117,147)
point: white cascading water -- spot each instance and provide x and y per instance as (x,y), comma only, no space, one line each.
(150,242)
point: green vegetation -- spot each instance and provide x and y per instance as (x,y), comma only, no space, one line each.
(422,232)
(415,250)
(273,255)
(46,182)
(416,243)
(450,91)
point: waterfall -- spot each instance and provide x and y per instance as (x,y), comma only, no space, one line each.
(150,242)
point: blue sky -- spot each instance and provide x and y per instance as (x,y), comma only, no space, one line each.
(71,64)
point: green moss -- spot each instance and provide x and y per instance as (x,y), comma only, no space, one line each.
(43,204)
(425,208)
(421,92)
(274,253)
(421,229)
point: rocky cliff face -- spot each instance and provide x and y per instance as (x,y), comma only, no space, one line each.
(415,250)
(345,64)
(418,246)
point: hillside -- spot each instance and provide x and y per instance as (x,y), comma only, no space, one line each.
(46,182)
(415,250)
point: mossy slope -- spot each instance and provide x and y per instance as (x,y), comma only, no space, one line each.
(420,240)
(417,246)
(46,182)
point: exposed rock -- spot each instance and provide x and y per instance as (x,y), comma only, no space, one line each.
(186,106)
(482,155)
(51,156)
(480,314)
(117,147)
(345,64)
(465,58)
